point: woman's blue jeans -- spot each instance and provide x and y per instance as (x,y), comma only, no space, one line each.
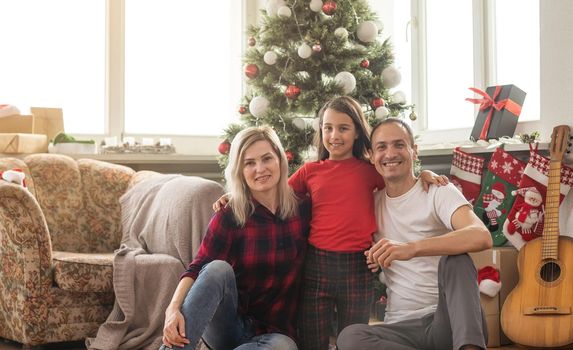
(210,312)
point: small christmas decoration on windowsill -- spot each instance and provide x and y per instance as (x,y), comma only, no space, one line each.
(130,146)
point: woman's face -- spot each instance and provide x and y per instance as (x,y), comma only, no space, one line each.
(261,168)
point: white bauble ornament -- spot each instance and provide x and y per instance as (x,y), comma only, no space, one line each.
(367,31)
(391,77)
(315,5)
(381,112)
(341,33)
(316,124)
(272,6)
(399,97)
(302,123)
(346,80)
(259,106)
(284,11)
(304,51)
(270,58)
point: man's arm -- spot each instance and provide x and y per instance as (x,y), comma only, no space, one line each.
(469,235)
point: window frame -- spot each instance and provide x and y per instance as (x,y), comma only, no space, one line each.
(114,125)
(484,69)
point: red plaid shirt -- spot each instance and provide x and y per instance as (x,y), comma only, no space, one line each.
(267,255)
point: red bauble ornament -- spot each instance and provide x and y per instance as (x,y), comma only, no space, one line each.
(378,102)
(242,110)
(365,64)
(292,91)
(251,41)
(251,71)
(317,47)
(289,156)
(329,8)
(224,147)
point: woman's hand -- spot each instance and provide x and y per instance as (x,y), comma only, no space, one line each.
(174,328)
(221,202)
(430,178)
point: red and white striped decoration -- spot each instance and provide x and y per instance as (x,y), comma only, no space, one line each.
(466,173)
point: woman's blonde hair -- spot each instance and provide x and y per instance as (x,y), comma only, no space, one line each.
(240,199)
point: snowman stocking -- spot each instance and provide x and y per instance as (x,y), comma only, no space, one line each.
(526,217)
(495,200)
(466,172)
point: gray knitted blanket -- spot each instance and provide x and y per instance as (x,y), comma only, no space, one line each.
(164,220)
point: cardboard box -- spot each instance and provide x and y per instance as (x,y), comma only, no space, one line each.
(23,143)
(499,113)
(46,121)
(505,260)
(17,124)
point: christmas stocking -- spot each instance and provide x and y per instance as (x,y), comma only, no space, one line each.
(526,217)
(488,281)
(466,172)
(495,200)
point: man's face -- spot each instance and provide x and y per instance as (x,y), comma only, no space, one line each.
(392,154)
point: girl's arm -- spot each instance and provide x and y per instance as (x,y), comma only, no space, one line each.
(221,202)
(430,178)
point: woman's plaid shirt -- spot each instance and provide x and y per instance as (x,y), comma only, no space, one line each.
(267,255)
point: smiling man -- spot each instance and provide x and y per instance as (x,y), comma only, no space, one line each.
(423,241)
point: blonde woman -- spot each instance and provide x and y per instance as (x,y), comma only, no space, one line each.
(241,291)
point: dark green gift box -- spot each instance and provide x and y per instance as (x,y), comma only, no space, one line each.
(500,107)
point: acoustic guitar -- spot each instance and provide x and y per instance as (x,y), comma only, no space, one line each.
(539,311)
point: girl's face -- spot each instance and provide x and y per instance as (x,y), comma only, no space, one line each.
(261,169)
(338,134)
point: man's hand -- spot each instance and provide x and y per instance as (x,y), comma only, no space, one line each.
(385,251)
(372,265)
(174,328)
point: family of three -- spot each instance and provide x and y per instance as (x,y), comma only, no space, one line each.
(285,255)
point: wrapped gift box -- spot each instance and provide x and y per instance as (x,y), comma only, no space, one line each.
(23,143)
(47,121)
(17,123)
(504,259)
(500,107)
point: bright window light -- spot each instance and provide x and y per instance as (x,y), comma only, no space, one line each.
(53,55)
(182,67)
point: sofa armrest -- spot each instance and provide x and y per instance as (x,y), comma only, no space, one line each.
(25,260)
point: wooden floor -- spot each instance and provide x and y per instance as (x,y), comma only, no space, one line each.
(7,345)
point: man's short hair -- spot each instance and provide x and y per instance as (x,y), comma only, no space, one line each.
(398,121)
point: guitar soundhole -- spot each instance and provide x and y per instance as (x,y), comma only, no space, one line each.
(550,272)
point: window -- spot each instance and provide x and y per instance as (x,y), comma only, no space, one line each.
(137,67)
(53,55)
(182,66)
(455,45)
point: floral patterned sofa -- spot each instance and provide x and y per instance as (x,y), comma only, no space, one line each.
(56,246)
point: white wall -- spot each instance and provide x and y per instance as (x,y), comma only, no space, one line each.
(556,64)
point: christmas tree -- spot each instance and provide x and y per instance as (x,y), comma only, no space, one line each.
(304,53)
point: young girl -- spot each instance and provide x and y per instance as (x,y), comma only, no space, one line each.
(341,185)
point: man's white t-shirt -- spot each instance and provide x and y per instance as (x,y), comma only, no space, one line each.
(412,286)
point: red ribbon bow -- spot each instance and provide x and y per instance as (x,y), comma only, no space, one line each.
(490,102)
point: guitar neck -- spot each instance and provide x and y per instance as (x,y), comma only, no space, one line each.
(551,226)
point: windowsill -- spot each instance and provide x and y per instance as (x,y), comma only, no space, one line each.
(447,149)
(142,158)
